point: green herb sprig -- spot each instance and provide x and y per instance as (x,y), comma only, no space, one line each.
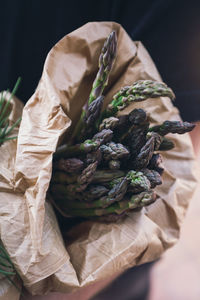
(5,112)
(7,268)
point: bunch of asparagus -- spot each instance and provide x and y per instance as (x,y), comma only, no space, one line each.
(112,163)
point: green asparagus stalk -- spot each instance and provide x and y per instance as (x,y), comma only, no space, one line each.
(103,136)
(137,139)
(121,127)
(91,193)
(106,61)
(70,191)
(153,176)
(137,116)
(115,194)
(66,151)
(114,151)
(83,180)
(94,156)
(166,144)
(136,201)
(138,182)
(139,124)
(87,174)
(172,127)
(145,154)
(109,123)
(70,165)
(94,192)
(91,115)
(102,176)
(87,146)
(155,163)
(93,111)
(63,178)
(113,182)
(139,91)
(157,139)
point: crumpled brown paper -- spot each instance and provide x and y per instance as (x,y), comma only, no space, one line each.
(29,229)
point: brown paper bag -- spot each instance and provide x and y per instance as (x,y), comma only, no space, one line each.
(93,251)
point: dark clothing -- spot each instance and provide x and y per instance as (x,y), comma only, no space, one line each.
(132,285)
(169,29)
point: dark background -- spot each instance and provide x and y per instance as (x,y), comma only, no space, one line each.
(169,29)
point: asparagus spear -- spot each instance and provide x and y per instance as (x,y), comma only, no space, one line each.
(136,201)
(93,111)
(66,151)
(126,129)
(70,165)
(63,178)
(139,91)
(109,123)
(138,182)
(115,194)
(114,151)
(166,144)
(153,176)
(172,127)
(94,192)
(83,180)
(87,146)
(145,154)
(93,156)
(114,164)
(137,116)
(137,131)
(155,163)
(91,193)
(103,136)
(137,139)
(102,176)
(121,127)
(91,115)
(113,182)
(106,61)
(87,174)
(59,190)
(157,139)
